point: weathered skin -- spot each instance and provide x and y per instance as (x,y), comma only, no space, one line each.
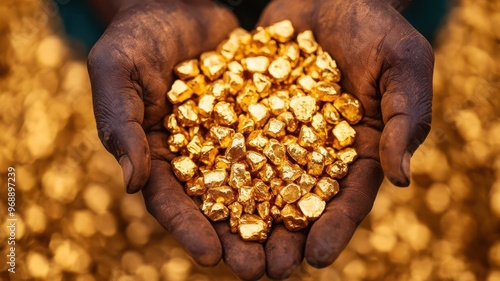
(384,61)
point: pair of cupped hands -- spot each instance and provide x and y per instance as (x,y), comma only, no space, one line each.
(385,63)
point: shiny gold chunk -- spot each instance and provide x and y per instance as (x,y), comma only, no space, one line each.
(311,206)
(171,124)
(303,108)
(255,160)
(256,64)
(195,187)
(290,172)
(240,34)
(264,209)
(237,148)
(234,82)
(337,170)
(245,124)
(235,212)
(276,184)
(229,48)
(219,89)
(183,168)
(235,67)
(252,228)
(222,163)
(332,116)
(212,64)
(344,135)
(214,178)
(246,198)
(179,92)
(275,152)
(306,183)
(282,31)
(326,188)
(224,114)
(293,218)
(277,105)
(326,91)
(290,193)
(291,52)
(308,138)
(348,155)
(257,141)
(194,146)
(176,142)
(187,115)
(315,163)
(247,96)
(306,42)
(187,69)
(261,36)
(297,152)
(206,105)
(239,176)
(221,194)
(276,214)
(290,121)
(208,154)
(206,206)
(279,69)
(259,113)
(275,128)
(197,84)
(217,212)
(329,153)
(278,201)
(328,68)
(307,83)
(223,135)
(267,173)
(261,191)
(319,125)
(262,82)
(349,107)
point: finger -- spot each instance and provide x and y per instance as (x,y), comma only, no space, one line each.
(284,252)
(176,212)
(297,11)
(406,87)
(119,112)
(331,233)
(246,259)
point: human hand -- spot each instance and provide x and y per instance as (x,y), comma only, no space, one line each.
(130,69)
(388,65)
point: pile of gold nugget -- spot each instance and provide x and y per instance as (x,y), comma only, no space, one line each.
(263,129)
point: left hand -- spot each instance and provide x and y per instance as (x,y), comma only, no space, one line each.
(388,66)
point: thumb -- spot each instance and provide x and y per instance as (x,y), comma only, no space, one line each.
(119,113)
(406,87)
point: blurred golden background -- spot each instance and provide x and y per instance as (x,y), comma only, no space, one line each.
(75,221)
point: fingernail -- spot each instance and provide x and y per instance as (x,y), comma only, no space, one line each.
(127,171)
(405,168)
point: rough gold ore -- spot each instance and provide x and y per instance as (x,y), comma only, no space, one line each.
(263,129)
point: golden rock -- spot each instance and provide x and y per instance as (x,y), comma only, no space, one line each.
(306,183)
(239,176)
(206,105)
(290,193)
(256,64)
(303,108)
(293,218)
(235,212)
(290,172)
(235,67)
(277,105)
(245,124)
(257,141)
(222,163)
(279,69)
(259,113)
(237,148)
(319,125)
(291,52)
(344,135)
(332,116)
(261,36)
(170,123)
(291,123)
(208,154)
(246,198)
(326,91)
(187,69)
(229,48)
(247,96)
(261,191)
(264,209)
(219,89)
(214,178)
(194,146)
(328,153)
(179,92)
(315,163)
(223,135)
(349,107)
(183,168)
(186,114)
(197,84)
(240,34)
(234,82)
(311,206)
(276,184)
(306,42)
(252,228)
(282,31)
(275,152)
(176,142)
(308,138)
(224,114)
(195,187)
(297,153)
(262,82)
(307,83)
(221,194)
(337,170)
(267,173)
(275,128)
(217,212)
(206,206)
(348,155)
(276,214)
(212,64)
(326,188)
(255,160)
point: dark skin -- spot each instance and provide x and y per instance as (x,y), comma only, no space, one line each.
(385,62)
